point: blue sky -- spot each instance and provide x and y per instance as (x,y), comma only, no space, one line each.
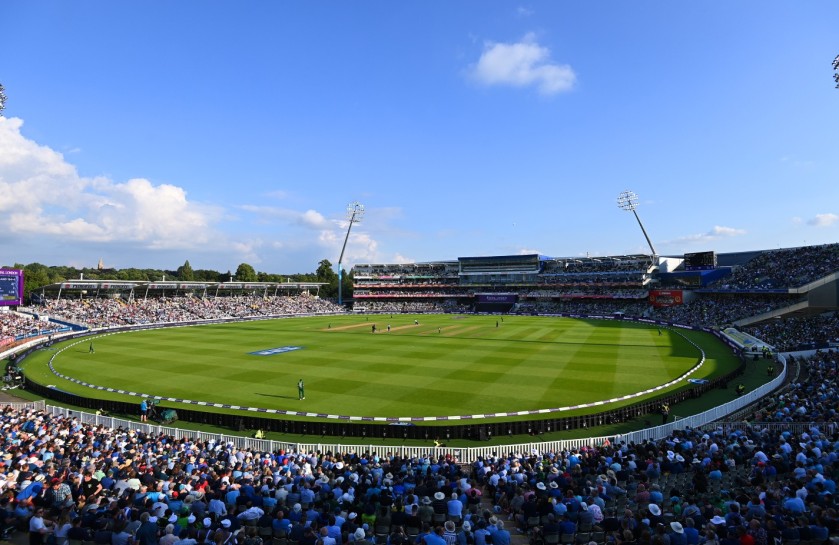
(148,133)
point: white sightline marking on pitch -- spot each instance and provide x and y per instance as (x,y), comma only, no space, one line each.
(702,360)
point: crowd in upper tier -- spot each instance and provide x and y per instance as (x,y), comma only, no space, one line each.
(781,269)
(743,485)
(411,306)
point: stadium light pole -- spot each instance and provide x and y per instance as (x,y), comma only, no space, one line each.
(628,201)
(355,211)
(836,70)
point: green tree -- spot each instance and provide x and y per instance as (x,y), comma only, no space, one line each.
(35,275)
(185,271)
(207,275)
(346,285)
(324,273)
(245,273)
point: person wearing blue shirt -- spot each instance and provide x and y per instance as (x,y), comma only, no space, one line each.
(481,533)
(434,537)
(691,533)
(793,503)
(500,536)
(231,497)
(677,534)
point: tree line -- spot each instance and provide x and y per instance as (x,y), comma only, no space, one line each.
(37,275)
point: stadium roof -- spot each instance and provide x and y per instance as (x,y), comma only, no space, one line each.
(110,286)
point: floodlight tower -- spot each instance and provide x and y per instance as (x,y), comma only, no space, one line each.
(355,211)
(629,201)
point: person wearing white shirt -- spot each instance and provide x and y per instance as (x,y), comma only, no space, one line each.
(38,527)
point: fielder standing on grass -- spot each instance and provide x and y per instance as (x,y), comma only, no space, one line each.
(301,394)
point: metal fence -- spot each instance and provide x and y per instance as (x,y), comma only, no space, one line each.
(39,405)
(464,454)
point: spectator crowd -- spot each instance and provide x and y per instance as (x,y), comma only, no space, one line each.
(768,483)
(781,269)
(96,313)
(14,325)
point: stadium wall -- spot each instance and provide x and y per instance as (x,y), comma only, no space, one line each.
(463,454)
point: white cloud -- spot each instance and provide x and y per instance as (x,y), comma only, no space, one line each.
(328,233)
(310,219)
(247,251)
(522,64)
(400,259)
(278,194)
(528,251)
(55,216)
(717,232)
(523,11)
(41,194)
(314,219)
(823,220)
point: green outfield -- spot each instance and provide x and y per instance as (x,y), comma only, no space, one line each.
(445,365)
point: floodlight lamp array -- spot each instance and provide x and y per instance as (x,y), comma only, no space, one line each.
(355,211)
(627,200)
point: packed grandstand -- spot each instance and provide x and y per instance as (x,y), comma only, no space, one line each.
(770,482)
(787,298)
(69,482)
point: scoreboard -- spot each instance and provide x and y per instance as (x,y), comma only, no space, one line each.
(701,261)
(11,287)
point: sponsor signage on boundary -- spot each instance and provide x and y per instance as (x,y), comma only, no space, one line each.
(275,351)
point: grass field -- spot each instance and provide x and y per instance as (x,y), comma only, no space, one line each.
(446,365)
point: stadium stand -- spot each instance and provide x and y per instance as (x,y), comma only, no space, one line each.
(111,312)
(785,297)
(500,284)
(783,269)
(771,481)
(15,326)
